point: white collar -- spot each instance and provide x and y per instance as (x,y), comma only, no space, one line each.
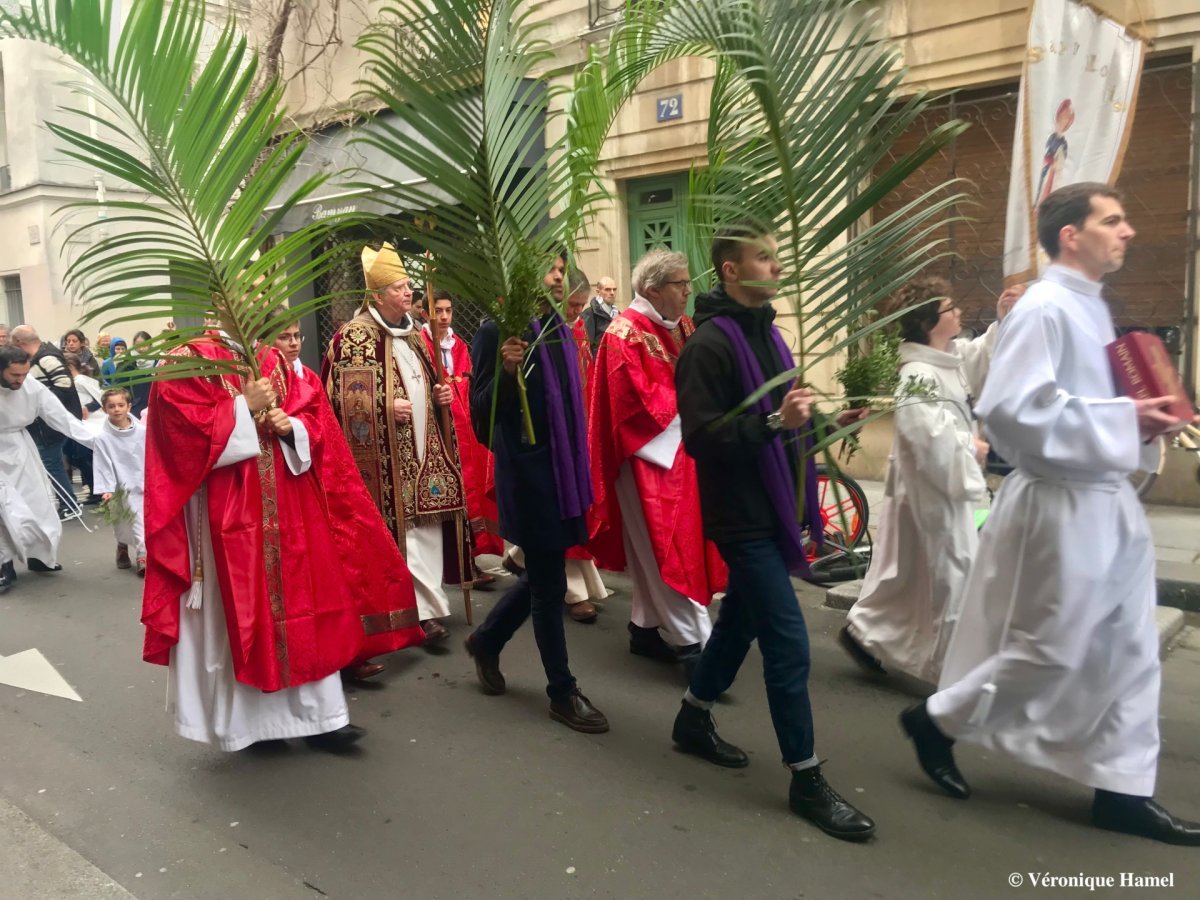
(447,341)
(297,366)
(134,425)
(395,330)
(646,308)
(1073,280)
(911,351)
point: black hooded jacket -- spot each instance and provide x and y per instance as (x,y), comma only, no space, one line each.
(733,499)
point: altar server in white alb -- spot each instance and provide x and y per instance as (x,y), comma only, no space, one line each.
(926,538)
(31,527)
(119,464)
(1055,657)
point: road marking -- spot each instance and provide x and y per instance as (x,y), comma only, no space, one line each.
(31,671)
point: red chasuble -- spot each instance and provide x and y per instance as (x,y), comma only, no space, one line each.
(476,459)
(290,614)
(631,400)
(374,567)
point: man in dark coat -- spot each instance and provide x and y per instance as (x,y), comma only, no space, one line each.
(543,491)
(747,463)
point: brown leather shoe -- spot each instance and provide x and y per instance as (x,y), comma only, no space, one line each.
(484,582)
(435,631)
(362,671)
(578,713)
(584,611)
(487,669)
(123,561)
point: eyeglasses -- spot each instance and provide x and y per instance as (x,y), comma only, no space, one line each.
(951,308)
(292,338)
(686,282)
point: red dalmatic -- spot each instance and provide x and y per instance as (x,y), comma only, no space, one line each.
(289,610)
(631,400)
(475,458)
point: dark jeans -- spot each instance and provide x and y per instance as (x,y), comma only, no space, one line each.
(761,603)
(540,590)
(80,457)
(51,453)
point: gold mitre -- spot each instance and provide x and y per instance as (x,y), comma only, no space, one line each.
(382,267)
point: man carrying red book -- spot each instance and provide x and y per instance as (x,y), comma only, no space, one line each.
(1055,657)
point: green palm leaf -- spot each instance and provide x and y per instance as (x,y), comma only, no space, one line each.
(186,127)
(505,203)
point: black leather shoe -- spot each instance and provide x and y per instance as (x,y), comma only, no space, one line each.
(8,576)
(36,565)
(648,642)
(336,741)
(1143,817)
(577,712)
(695,732)
(934,751)
(858,653)
(487,669)
(811,796)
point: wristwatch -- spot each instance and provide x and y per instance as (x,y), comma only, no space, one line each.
(775,421)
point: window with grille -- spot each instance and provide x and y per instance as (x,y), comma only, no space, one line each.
(14,303)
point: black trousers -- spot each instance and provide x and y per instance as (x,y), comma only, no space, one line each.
(541,591)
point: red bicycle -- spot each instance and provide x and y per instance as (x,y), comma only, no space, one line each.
(844,516)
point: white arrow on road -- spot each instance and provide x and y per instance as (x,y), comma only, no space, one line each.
(31,671)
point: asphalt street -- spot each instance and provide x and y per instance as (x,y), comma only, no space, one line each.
(455,794)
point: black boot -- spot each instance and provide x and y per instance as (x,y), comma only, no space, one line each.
(648,642)
(811,796)
(36,565)
(934,751)
(1143,817)
(338,741)
(696,733)
(8,576)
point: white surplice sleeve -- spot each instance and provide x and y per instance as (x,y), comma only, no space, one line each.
(1029,414)
(937,441)
(243,440)
(297,453)
(51,411)
(661,450)
(976,356)
(104,473)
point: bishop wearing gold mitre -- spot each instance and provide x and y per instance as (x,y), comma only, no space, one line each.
(381,382)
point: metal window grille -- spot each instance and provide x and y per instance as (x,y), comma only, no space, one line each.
(14,301)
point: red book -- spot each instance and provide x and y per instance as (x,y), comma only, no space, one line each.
(1143,369)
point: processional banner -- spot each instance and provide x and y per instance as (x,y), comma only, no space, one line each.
(1079,86)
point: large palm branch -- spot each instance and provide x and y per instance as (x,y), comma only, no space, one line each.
(184,128)
(807,107)
(471,119)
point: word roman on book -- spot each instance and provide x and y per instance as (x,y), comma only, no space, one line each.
(1143,369)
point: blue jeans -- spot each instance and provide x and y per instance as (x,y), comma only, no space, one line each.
(541,590)
(761,603)
(52,458)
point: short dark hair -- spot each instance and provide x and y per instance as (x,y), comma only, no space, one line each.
(1070,205)
(730,240)
(72,359)
(440,294)
(79,335)
(114,392)
(922,298)
(12,355)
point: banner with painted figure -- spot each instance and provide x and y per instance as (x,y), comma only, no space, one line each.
(1079,86)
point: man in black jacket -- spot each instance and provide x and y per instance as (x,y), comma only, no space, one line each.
(600,312)
(543,491)
(745,467)
(50,368)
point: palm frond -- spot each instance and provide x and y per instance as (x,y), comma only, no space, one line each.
(184,126)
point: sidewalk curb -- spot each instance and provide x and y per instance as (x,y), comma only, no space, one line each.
(1170,619)
(38,866)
